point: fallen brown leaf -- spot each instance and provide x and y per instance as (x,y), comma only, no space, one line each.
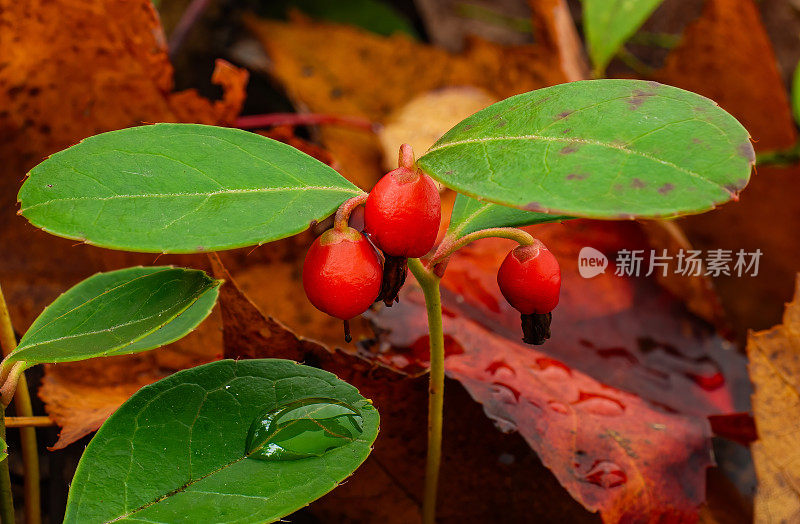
(726,55)
(54,92)
(336,69)
(775,372)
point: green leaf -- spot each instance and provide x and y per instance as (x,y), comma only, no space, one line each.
(609,23)
(120,312)
(177,450)
(796,94)
(371,15)
(599,148)
(470,215)
(3,450)
(180,188)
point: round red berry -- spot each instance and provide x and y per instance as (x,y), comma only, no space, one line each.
(530,279)
(342,273)
(403,212)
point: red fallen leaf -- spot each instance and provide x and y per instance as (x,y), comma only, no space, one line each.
(609,332)
(611,450)
(626,332)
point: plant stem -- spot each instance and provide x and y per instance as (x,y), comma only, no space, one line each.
(433,303)
(342,219)
(450,246)
(188,19)
(22,405)
(296,119)
(24,422)
(6,499)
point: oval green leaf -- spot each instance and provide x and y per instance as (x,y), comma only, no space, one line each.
(3,450)
(606,149)
(608,24)
(176,451)
(119,312)
(180,188)
(470,215)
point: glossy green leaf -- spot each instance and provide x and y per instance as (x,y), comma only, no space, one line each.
(599,148)
(3,450)
(177,450)
(608,24)
(180,188)
(470,215)
(119,312)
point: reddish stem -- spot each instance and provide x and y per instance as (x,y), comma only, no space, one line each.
(295,119)
(406,157)
(189,17)
(342,218)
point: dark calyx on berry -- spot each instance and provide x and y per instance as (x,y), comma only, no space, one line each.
(342,273)
(536,328)
(394,276)
(403,212)
(530,280)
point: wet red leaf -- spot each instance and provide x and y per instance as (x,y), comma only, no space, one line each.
(629,454)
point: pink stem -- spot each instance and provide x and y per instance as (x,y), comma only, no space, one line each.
(189,17)
(295,119)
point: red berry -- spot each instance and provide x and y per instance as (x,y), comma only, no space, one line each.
(530,279)
(342,273)
(403,212)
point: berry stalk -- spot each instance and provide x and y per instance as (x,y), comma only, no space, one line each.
(433,304)
(450,245)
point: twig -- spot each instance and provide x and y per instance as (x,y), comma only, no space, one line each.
(189,17)
(22,405)
(28,422)
(6,498)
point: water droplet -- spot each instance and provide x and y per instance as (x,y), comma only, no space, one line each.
(503,424)
(599,404)
(303,428)
(606,474)
(501,370)
(558,407)
(505,393)
(551,369)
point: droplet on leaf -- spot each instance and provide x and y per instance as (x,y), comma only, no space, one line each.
(505,394)
(501,370)
(606,474)
(600,404)
(303,428)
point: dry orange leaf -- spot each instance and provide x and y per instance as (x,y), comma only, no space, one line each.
(726,55)
(70,69)
(775,372)
(329,68)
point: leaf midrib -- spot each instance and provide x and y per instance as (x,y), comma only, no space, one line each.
(584,141)
(332,189)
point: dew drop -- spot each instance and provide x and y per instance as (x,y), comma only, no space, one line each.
(606,474)
(506,394)
(600,404)
(501,371)
(551,369)
(303,428)
(503,424)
